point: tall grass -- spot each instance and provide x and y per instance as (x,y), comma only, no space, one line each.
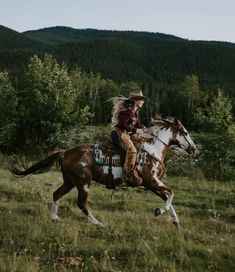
(132,238)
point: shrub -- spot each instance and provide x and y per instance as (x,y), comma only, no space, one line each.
(217,138)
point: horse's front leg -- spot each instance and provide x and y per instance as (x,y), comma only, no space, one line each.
(175,219)
(165,192)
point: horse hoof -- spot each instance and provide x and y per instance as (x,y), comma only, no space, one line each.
(157,212)
(177,225)
(99,225)
(56,220)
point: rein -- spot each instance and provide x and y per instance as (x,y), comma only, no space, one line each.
(187,140)
(156,159)
(156,137)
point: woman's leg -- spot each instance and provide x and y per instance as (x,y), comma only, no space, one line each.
(129,166)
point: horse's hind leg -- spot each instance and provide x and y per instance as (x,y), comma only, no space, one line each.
(63,190)
(82,204)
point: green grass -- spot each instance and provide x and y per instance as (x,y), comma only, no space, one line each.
(132,238)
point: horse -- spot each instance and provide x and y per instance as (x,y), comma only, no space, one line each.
(80,167)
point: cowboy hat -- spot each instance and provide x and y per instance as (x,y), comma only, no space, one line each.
(136,95)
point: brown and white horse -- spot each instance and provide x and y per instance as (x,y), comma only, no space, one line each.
(79,167)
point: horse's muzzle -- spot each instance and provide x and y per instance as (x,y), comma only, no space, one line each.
(191,149)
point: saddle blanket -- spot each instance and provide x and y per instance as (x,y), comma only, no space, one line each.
(112,162)
(114,159)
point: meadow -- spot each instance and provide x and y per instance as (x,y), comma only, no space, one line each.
(132,238)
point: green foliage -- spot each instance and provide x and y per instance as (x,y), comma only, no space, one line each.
(190,97)
(87,134)
(133,57)
(127,55)
(217,138)
(95,93)
(8,113)
(180,164)
(173,72)
(217,118)
(45,103)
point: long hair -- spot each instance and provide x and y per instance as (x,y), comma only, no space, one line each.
(120,103)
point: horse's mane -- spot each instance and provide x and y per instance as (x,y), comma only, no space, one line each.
(157,123)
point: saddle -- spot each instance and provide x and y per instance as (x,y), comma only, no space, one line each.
(107,153)
(110,155)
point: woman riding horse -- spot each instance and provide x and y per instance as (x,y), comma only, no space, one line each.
(125,121)
(79,167)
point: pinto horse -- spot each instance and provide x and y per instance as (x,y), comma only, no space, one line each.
(79,167)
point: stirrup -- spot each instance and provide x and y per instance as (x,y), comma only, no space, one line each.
(110,184)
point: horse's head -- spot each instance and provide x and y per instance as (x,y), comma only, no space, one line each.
(181,137)
(177,134)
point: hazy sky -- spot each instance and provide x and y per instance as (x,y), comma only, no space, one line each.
(190,19)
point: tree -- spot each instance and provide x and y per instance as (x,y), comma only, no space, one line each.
(8,113)
(217,138)
(45,104)
(190,97)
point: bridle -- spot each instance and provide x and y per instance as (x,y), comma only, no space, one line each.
(156,138)
(180,130)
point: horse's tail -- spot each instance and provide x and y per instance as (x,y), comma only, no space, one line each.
(40,167)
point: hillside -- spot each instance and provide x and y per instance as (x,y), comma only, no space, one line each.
(16,49)
(125,55)
(142,56)
(144,60)
(11,40)
(60,34)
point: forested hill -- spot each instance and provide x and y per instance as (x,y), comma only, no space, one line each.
(147,60)
(16,49)
(12,40)
(125,55)
(59,34)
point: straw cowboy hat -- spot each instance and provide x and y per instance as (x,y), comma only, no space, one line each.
(136,95)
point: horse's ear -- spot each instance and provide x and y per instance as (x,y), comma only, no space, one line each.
(152,121)
(177,122)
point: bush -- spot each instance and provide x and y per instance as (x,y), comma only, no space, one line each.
(217,138)
(8,113)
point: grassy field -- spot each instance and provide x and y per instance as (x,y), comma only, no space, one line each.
(132,238)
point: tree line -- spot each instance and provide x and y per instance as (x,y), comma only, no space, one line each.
(51,105)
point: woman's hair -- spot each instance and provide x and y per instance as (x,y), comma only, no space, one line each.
(120,103)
